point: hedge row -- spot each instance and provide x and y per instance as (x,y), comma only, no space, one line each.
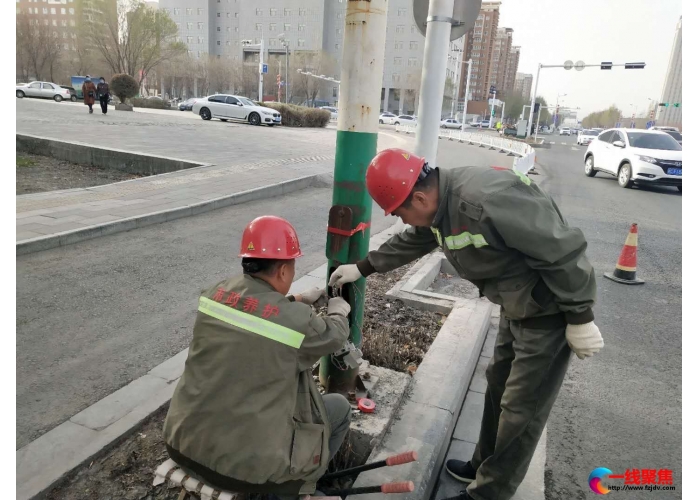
(150,103)
(300,116)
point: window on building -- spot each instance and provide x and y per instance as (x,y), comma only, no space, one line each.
(65,35)
(273,12)
(413,45)
(398,44)
(335,91)
(200,11)
(302,27)
(228,14)
(189,39)
(337,46)
(54,22)
(236,14)
(396,77)
(45,10)
(402,12)
(258,12)
(414,28)
(273,27)
(413,61)
(190,26)
(176,12)
(287,12)
(235,29)
(66,46)
(400,28)
(302,12)
(63,11)
(218,28)
(64,22)
(338,31)
(287,26)
(218,42)
(200,25)
(397,61)
(258,26)
(200,39)
(228,42)
(189,11)
(53,10)
(339,15)
(218,14)
(301,43)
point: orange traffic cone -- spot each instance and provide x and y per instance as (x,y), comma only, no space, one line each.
(626,268)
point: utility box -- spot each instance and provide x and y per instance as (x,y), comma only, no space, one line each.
(522,128)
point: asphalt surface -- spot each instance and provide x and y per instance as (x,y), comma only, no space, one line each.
(620,409)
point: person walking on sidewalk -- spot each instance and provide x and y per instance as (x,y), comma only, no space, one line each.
(103,94)
(504,234)
(89,92)
(246,414)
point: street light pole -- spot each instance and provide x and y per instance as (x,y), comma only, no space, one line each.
(466,93)
(532,102)
(262,61)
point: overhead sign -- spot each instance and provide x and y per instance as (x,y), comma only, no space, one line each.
(495,102)
(464,16)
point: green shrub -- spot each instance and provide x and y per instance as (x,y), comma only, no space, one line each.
(300,116)
(150,103)
(123,86)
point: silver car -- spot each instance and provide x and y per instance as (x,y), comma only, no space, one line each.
(43,90)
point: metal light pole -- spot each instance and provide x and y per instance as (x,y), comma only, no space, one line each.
(493,103)
(532,101)
(555,111)
(285,44)
(466,93)
(356,145)
(262,61)
(437,44)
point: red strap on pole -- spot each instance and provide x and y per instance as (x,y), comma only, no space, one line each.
(343,232)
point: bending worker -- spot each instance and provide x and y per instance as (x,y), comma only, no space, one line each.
(246,415)
(504,234)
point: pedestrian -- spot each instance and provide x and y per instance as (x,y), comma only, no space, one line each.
(504,234)
(89,92)
(103,94)
(246,414)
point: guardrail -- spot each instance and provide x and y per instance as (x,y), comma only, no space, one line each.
(524,162)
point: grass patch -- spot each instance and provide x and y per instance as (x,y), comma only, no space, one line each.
(23,161)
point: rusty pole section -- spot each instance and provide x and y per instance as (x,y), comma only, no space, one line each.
(356,145)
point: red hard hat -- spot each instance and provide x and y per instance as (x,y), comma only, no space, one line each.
(391,176)
(270,237)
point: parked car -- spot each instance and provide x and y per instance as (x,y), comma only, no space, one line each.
(676,135)
(43,90)
(450,123)
(333,111)
(232,107)
(485,123)
(565,131)
(73,93)
(585,137)
(404,120)
(509,130)
(187,105)
(636,157)
(387,117)
(665,129)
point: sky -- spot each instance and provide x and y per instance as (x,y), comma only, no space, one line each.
(553,31)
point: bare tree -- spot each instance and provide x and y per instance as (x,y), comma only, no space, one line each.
(37,47)
(220,72)
(132,37)
(412,89)
(307,87)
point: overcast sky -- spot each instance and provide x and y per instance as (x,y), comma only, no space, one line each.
(552,31)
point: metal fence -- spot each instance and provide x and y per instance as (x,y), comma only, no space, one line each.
(525,154)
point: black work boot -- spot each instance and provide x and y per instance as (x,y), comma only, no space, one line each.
(462,496)
(461,471)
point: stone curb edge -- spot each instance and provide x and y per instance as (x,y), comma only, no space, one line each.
(69,237)
(44,462)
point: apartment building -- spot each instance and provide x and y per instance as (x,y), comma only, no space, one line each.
(511,70)
(523,84)
(60,15)
(499,60)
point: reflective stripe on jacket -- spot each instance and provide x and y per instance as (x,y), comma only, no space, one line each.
(247,406)
(504,234)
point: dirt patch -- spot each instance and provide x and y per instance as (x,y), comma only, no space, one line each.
(455,286)
(394,336)
(37,174)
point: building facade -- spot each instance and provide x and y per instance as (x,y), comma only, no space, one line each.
(511,70)
(499,60)
(673,84)
(523,84)
(60,16)
(479,47)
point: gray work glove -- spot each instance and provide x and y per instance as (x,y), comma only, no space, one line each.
(337,305)
(312,295)
(585,340)
(346,273)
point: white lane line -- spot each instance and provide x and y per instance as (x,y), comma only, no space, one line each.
(552,142)
(574,148)
(563,144)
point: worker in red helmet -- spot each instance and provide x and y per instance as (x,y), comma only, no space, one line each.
(246,415)
(500,231)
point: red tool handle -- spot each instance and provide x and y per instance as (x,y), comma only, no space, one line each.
(402,458)
(404,487)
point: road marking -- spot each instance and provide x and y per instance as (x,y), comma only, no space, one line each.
(552,142)
(563,144)
(574,148)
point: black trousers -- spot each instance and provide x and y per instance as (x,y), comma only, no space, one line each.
(103,103)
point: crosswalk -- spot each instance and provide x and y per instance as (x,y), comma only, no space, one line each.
(573,148)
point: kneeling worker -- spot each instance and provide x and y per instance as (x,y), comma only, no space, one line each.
(246,415)
(505,235)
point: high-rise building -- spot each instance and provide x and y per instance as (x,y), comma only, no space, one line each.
(511,70)
(60,16)
(499,60)
(523,84)
(308,27)
(673,84)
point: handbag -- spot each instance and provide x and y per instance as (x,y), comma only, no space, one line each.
(91,94)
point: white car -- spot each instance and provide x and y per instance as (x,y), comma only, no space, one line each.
(404,120)
(636,157)
(676,135)
(450,123)
(333,111)
(565,131)
(387,117)
(232,107)
(585,137)
(43,90)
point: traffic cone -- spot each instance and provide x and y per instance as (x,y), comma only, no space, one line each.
(626,268)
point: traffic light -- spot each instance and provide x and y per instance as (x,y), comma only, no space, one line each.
(663,104)
(676,104)
(493,112)
(606,65)
(537,108)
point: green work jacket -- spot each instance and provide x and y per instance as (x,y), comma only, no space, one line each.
(247,406)
(504,234)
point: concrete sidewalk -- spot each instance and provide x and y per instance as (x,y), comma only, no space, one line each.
(466,432)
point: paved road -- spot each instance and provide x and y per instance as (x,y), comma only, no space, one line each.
(622,408)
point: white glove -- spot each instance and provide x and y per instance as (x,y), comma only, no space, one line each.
(585,340)
(337,305)
(346,273)
(311,295)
